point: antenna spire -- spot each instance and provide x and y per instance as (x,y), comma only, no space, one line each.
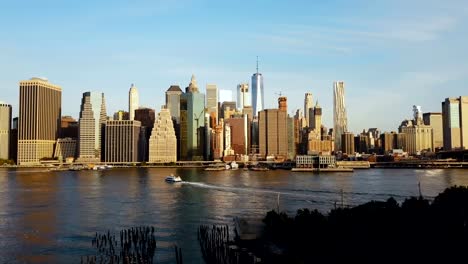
(257,64)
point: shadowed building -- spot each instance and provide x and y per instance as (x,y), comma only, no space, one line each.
(65,148)
(69,127)
(40,105)
(163,141)
(147,118)
(388,142)
(347,140)
(5,130)
(14,140)
(122,141)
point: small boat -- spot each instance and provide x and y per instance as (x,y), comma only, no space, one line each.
(172,178)
(234,165)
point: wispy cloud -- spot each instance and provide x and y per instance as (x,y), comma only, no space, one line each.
(343,37)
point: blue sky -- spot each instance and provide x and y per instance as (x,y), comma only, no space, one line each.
(391,54)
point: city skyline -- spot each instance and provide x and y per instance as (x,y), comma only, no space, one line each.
(391,56)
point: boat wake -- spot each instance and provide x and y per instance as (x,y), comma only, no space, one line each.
(251,190)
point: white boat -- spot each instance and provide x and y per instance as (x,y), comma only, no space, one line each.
(172,178)
(234,165)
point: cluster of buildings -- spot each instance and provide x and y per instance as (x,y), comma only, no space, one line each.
(196,126)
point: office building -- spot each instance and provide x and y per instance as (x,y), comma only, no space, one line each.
(14,140)
(273,131)
(122,141)
(92,118)
(147,118)
(212,101)
(65,148)
(347,140)
(239,137)
(163,141)
(434,120)
(308,105)
(315,119)
(69,127)
(173,101)
(388,142)
(455,123)
(5,130)
(218,141)
(121,115)
(340,120)
(228,109)
(195,107)
(243,96)
(418,137)
(133,101)
(257,92)
(40,104)
(292,151)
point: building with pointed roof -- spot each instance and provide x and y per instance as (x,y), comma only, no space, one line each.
(133,101)
(163,141)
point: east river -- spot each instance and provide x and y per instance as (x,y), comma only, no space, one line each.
(51,217)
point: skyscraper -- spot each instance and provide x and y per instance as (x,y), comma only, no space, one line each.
(273,130)
(212,101)
(195,120)
(147,117)
(40,105)
(243,96)
(163,141)
(92,118)
(307,108)
(340,120)
(435,121)
(173,101)
(257,92)
(133,101)
(455,123)
(317,118)
(5,127)
(122,141)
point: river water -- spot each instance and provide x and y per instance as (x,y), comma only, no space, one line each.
(51,217)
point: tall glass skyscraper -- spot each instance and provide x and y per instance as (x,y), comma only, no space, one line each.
(257,92)
(340,120)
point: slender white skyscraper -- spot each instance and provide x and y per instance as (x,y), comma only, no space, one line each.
(132,101)
(307,108)
(257,92)
(340,120)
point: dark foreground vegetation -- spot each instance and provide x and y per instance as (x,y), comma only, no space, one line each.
(417,231)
